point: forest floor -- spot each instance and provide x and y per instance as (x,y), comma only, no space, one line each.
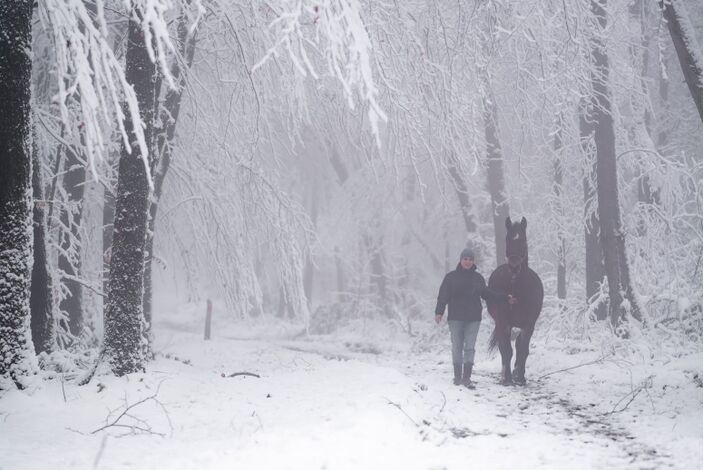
(363,399)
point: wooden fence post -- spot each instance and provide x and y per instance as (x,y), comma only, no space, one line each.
(208,318)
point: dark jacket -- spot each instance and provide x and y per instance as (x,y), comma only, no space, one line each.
(461,291)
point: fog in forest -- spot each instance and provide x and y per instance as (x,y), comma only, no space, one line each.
(311,171)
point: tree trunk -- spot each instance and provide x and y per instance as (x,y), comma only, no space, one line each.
(108,219)
(645,133)
(377,276)
(340,274)
(41,300)
(495,175)
(684,40)
(17,359)
(337,164)
(342,175)
(561,242)
(164,148)
(613,240)
(110,191)
(69,254)
(593,255)
(124,315)
(309,270)
(462,194)
(285,309)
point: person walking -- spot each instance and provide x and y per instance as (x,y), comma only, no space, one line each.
(461,291)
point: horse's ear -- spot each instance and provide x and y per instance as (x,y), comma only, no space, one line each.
(508,223)
(524,223)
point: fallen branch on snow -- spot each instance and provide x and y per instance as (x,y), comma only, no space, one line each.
(235,374)
(596,361)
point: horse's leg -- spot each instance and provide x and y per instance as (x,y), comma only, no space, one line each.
(504,339)
(522,347)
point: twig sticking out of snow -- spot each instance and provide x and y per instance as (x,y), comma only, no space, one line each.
(402,411)
(100,451)
(444,402)
(647,383)
(144,426)
(63,389)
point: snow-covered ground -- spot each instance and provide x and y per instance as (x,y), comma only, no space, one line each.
(362,398)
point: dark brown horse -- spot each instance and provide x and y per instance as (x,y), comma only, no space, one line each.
(517,279)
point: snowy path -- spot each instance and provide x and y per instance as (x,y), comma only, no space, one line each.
(311,409)
(542,429)
(505,427)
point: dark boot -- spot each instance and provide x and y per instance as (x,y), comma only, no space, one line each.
(467,375)
(458,374)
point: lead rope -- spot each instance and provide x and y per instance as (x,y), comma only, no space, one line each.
(514,275)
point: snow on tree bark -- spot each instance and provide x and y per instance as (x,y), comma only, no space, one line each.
(17,359)
(124,319)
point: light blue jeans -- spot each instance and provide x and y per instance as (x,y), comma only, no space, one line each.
(463,335)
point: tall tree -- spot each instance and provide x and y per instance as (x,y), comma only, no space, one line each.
(342,175)
(124,316)
(558,189)
(41,301)
(107,229)
(110,185)
(462,191)
(164,144)
(593,255)
(69,263)
(611,234)
(684,39)
(309,269)
(17,358)
(495,174)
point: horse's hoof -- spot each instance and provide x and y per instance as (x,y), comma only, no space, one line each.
(518,377)
(506,382)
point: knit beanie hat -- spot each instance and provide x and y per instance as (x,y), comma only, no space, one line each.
(467,253)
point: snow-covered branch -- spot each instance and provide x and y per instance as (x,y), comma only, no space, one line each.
(331,30)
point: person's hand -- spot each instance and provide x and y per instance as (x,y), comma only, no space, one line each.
(511,299)
(438,319)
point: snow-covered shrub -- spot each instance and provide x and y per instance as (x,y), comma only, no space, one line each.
(65,361)
(329,317)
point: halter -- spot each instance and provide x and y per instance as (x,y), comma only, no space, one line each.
(518,267)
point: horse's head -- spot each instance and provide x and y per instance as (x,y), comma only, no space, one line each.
(516,243)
